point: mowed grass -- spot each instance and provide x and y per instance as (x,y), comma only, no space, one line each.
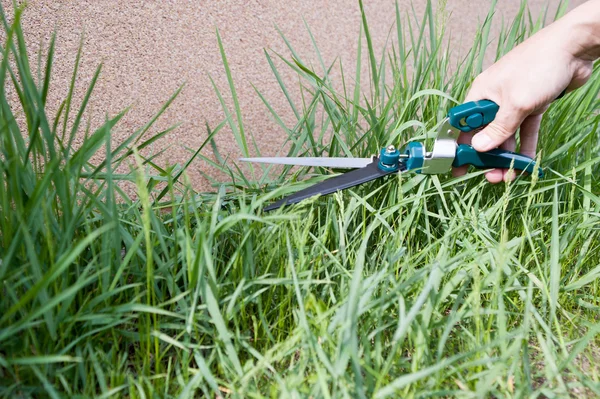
(414,286)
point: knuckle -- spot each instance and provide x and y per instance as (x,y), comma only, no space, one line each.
(499,131)
(523,106)
(478,81)
(479,87)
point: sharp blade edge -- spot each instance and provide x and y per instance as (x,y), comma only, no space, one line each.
(324,162)
(341,182)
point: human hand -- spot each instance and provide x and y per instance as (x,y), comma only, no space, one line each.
(523,83)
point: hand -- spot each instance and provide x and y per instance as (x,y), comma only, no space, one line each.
(523,83)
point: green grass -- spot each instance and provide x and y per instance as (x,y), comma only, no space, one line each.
(410,287)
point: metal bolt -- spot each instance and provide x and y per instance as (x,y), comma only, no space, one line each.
(390,148)
(453,134)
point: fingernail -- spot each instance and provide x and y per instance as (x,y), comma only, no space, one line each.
(482,142)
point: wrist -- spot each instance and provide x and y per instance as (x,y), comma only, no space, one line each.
(579,31)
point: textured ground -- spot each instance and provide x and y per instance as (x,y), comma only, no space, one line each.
(150,48)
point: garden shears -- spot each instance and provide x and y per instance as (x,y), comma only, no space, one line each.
(445,154)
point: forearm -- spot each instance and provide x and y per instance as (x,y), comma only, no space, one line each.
(579,31)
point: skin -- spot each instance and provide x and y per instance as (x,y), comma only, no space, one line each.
(528,78)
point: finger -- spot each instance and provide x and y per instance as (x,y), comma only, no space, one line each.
(460,170)
(581,75)
(529,135)
(494,176)
(504,125)
(503,174)
(474,95)
(509,145)
(476,91)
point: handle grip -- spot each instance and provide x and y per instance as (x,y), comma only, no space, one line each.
(466,155)
(473,115)
(476,114)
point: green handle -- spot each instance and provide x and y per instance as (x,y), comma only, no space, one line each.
(476,114)
(472,115)
(466,155)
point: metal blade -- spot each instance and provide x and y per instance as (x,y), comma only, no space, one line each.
(324,162)
(341,182)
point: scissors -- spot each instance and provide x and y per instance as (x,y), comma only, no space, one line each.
(445,154)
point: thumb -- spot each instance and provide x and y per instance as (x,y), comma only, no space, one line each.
(505,124)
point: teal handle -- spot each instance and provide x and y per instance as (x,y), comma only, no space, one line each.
(473,115)
(466,155)
(476,114)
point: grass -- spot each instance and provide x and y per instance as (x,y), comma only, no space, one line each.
(410,287)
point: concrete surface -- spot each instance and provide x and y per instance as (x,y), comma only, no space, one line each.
(149,48)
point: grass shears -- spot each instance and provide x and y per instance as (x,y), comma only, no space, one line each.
(445,154)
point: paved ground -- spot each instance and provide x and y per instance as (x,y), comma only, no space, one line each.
(149,48)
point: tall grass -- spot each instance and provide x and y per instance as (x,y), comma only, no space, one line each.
(410,287)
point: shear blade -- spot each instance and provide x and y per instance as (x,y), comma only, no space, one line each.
(341,182)
(324,162)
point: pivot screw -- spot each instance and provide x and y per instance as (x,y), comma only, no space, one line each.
(388,159)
